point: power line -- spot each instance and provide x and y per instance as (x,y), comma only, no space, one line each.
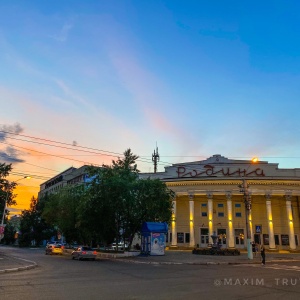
(47,153)
(102,152)
(81,148)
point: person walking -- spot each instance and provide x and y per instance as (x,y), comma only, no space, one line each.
(263,255)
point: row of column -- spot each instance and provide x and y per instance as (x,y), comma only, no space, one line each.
(231,243)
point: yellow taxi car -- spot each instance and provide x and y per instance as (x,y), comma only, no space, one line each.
(54,249)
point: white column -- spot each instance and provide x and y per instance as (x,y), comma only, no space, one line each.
(210,215)
(230,225)
(290,222)
(192,214)
(270,222)
(174,229)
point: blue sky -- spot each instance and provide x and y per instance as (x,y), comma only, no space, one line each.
(197,77)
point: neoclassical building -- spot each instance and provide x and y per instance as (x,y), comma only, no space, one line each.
(209,199)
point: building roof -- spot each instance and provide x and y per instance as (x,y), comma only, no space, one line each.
(154,227)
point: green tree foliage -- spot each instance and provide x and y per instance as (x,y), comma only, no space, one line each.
(6,188)
(32,226)
(118,202)
(9,234)
(61,211)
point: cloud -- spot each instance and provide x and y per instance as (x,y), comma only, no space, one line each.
(10,155)
(7,129)
(64,32)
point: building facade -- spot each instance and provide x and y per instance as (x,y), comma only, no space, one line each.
(209,200)
(71,176)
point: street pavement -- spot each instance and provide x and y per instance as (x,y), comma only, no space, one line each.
(10,263)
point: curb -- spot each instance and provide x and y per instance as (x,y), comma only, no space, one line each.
(202,263)
(28,267)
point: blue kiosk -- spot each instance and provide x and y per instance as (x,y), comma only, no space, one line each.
(154,238)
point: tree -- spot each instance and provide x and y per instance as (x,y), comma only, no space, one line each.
(9,234)
(32,226)
(61,211)
(119,202)
(6,188)
(152,203)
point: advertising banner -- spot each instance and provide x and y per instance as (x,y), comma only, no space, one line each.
(158,244)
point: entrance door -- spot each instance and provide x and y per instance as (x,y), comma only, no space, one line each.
(204,237)
(222,237)
(257,239)
(239,238)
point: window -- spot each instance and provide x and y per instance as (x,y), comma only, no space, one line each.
(276,236)
(221,236)
(296,239)
(285,240)
(204,231)
(266,239)
(204,209)
(220,212)
(239,236)
(187,237)
(238,210)
(180,237)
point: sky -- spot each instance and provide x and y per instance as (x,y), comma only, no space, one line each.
(81,81)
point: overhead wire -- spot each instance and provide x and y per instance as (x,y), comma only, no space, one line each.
(82,149)
(99,152)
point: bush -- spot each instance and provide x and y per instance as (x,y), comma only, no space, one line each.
(211,251)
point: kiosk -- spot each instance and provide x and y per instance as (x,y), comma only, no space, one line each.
(154,238)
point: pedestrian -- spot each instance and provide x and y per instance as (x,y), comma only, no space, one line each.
(263,255)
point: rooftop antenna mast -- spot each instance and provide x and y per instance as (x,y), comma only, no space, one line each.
(155,159)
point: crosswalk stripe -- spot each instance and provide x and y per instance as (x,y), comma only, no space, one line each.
(274,266)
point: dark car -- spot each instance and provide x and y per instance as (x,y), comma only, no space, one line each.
(84,252)
(54,249)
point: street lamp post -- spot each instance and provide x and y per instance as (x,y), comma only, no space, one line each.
(244,188)
(247,201)
(2,225)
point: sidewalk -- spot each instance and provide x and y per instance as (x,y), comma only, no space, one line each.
(179,257)
(13,264)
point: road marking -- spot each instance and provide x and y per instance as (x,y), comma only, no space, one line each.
(273,266)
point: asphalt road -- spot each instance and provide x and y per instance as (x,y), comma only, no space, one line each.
(59,277)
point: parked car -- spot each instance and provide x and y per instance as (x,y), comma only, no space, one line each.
(53,243)
(84,252)
(54,249)
(120,246)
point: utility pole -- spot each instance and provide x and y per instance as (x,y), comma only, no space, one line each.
(155,159)
(244,188)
